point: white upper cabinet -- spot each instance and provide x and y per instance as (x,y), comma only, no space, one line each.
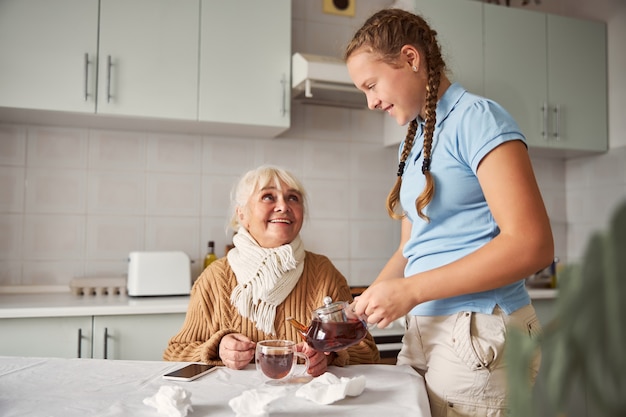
(148,58)
(458,24)
(549,72)
(245,63)
(48,53)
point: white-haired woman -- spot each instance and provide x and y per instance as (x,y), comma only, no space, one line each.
(267,277)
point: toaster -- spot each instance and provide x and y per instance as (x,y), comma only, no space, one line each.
(158,274)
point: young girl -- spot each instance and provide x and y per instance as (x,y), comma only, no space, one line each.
(473,220)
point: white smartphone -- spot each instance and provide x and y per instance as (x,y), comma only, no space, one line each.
(190,372)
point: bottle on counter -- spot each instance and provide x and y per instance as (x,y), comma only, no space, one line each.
(210,256)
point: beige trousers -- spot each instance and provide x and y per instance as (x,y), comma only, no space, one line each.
(461,359)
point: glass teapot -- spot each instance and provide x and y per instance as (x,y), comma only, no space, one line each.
(333,327)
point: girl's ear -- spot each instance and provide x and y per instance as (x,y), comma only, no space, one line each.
(411,56)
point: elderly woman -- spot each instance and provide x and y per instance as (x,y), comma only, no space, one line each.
(267,277)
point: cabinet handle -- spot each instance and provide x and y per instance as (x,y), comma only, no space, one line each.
(283,82)
(106,344)
(544,118)
(80,339)
(109,65)
(557,122)
(86,76)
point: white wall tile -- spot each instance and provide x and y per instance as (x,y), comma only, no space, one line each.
(364,271)
(11,189)
(57,147)
(11,272)
(111,192)
(325,123)
(228,156)
(114,237)
(174,153)
(283,152)
(327,237)
(366,126)
(368,161)
(216,194)
(328,199)
(367,199)
(373,238)
(12,145)
(326,160)
(56,191)
(51,272)
(117,268)
(173,194)
(173,234)
(117,150)
(11,236)
(54,237)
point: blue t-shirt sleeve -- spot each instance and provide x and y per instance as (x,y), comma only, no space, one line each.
(487,125)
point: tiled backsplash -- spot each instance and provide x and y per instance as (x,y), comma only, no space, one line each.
(74,202)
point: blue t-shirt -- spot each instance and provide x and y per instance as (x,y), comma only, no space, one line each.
(468,127)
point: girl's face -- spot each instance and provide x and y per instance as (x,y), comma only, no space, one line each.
(273,216)
(399,91)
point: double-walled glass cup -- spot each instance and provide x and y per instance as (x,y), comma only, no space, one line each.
(277,359)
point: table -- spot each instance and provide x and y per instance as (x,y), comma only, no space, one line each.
(98,387)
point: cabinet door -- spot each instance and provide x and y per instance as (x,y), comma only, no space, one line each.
(134,337)
(460,32)
(148,58)
(48,54)
(60,337)
(515,67)
(245,63)
(577,84)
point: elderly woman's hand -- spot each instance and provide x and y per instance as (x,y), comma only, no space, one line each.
(236,350)
(317,359)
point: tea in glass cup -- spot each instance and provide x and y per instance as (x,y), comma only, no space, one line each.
(277,359)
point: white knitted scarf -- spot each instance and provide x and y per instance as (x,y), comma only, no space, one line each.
(265,277)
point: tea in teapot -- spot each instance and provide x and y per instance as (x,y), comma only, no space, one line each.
(333,327)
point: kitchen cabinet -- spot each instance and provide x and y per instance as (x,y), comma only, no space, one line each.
(245,63)
(113,57)
(132,336)
(459,30)
(48,51)
(550,73)
(148,58)
(61,337)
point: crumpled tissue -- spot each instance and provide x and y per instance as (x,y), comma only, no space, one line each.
(328,388)
(171,400)
(255,402)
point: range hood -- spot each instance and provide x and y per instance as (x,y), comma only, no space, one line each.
(324,80)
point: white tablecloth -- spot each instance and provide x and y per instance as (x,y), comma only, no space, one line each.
(95,387)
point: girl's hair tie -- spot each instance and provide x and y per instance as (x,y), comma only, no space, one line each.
(426,165)
(401,169)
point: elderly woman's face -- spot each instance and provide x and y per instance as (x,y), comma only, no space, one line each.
(273,216)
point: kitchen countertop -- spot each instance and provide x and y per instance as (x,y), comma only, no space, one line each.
(67,304)
(62,304)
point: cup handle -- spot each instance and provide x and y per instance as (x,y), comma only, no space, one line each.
(306,361)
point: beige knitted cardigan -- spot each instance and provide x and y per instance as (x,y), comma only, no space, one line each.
(211,316)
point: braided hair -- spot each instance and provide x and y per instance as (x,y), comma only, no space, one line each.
(385,33)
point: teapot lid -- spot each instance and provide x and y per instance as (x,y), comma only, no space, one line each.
(331,311)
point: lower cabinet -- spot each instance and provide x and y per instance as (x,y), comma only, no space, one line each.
(129,337)
(61,337)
